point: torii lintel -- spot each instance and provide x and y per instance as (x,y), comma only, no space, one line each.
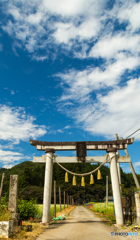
(90,145)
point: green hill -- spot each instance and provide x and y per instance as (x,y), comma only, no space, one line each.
(31,181)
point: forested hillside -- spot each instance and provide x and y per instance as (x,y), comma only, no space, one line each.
(31,181)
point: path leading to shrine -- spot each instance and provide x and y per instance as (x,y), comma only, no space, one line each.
(81,224)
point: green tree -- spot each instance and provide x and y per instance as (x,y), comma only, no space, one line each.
(26,178)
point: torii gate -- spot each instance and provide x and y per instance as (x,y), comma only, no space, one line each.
(111,147)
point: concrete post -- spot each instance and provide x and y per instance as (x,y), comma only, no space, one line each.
(137,201)
(116,187)
(47,186)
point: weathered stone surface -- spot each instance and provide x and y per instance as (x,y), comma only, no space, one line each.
(13,193)
(11,222)
(15,216)
(6,229)
(16,219)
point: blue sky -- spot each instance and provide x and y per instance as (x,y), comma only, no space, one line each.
(69,71)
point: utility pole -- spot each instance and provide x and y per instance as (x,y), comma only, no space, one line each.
(107,190)
(84,194)
(64,200)
(67,200)
(78,194)
(60,198)
(3,175)
(55,199)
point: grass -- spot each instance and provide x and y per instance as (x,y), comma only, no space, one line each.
(31,235)
(104,211)
(40,210)
(102,208)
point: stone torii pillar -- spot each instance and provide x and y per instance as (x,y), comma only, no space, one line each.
(116,186)
(118,164)
(47,186)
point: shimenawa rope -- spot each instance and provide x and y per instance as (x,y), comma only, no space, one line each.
(84,174)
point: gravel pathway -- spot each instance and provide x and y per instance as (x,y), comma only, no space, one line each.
(82,224)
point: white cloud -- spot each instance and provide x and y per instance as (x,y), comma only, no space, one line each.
(110,46)
(80,84)
(40,58)
(8,166)
(74,7)
(12,92)
(42,99)
(16,45)
(67,127)
(60,131)
(36,25)
(74,24)
(68,31)
(16,125)
(136,164)
(10,156)
(110,112)
(130,13)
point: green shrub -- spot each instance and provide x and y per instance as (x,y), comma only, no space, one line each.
(3,201)
(5,214)
(27,209)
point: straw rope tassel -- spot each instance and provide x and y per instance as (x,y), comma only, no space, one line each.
(82,182)
(99,175)
(91,179)
(66,177)
(74,181)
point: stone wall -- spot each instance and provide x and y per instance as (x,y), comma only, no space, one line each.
(6,229)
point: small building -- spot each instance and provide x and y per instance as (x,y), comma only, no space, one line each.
(110,198)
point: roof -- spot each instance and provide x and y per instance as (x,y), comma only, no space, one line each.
(109,198)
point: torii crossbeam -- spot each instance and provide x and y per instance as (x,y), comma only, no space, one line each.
(90,145)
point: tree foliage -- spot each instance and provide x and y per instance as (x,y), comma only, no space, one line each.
(31,181)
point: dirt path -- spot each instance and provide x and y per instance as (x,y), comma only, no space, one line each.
(81,224)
